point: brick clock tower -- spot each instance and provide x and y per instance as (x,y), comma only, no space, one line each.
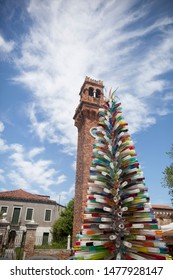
(86,118)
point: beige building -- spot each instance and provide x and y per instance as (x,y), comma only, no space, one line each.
(164,215)
(22,207)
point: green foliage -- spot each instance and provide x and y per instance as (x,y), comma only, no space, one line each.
(64,225)
(61,244)
(19,253)
(168,175)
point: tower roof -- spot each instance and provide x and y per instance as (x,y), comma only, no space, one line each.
(91,82)
(91,98)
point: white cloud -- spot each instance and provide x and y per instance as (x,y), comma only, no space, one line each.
(6,46)
(157,62)
(57,126)
(1,127)
(139,118)
(65,196)
(29,172)
(61,179)
(2,178)
(3,145)
(163,112)
(35,151)
(18,148)
(168,97)
(27,169)
(101,39)
(73,166)
(18,181)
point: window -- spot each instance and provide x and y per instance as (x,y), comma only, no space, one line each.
(91,91)
(16,215)
(47,217)
(29,213)
(98,93)
(4,209)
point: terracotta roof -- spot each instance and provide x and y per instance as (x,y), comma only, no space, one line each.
(23,195)
(162,207)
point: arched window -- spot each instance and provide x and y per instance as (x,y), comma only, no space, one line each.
(91,91)
(98,93)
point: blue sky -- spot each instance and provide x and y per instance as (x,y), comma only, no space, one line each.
(46,50)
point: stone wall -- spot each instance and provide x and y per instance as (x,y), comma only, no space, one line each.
(60,254)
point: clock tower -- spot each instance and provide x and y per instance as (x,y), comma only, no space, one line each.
(86,118)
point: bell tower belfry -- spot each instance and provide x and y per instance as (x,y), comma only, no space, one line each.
(86,118)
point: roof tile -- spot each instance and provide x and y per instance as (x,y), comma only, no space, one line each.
(21,194)
(162,207)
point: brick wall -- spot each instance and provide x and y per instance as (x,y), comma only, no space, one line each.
(30,238)
(86,117)
(85,142)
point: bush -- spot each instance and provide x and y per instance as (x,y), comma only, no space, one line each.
(19,253)
(64,225)
(61,244)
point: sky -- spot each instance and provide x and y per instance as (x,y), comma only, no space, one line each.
(47,48)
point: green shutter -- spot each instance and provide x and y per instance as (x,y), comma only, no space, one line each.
(16,214)
(47,215)
(29,214)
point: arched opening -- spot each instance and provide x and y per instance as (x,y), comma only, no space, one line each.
(91,91)
(98,93)
(11,238)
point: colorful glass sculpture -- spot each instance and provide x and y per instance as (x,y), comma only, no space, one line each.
(119,221)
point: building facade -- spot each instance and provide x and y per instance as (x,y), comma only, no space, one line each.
(164,215)
(21,208)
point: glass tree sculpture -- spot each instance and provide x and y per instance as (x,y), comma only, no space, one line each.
(119,221)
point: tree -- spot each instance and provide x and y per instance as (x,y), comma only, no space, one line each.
(168,175)
(64,225)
